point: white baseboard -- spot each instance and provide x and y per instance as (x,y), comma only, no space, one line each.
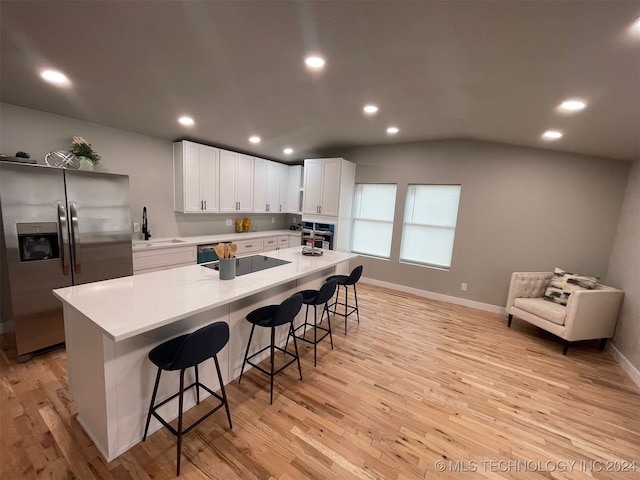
(437,296)
(626,365)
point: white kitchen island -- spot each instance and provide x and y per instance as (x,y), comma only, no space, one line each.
(111,326)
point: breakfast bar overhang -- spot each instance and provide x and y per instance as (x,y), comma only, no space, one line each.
(110,327)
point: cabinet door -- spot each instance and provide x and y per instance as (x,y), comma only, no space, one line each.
(227,181)
(295,240)
(273,187)
(330,186)
(312,186)
(244,182)
(283,174)
(209,178)
(293,190)
(260,185)
(191,172)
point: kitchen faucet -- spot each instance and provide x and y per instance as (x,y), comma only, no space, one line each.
(146,233)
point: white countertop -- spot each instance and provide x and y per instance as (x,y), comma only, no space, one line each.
(128,306)
(166,242)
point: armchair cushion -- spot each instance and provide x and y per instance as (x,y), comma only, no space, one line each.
(564,284)
(550,311)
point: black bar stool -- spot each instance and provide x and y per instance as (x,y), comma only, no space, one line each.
(272,316)
(345,281)
(181,353)
(315,298)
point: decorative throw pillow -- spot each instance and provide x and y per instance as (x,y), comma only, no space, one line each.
(564,283)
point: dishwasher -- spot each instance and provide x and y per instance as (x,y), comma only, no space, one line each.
(206,253)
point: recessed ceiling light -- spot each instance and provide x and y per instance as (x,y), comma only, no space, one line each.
(636,24)
(254,139)
(54,76)
(315,62)
(370,109)
(572,106)
(392,130)
(188,121)
(288,151)
(552,135)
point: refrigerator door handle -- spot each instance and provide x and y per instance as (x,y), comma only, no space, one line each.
(75,236)
(63,230)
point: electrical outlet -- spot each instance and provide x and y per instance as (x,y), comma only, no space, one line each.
(136,227)
(228,222)
(273,220)
(295,219)
(463,287)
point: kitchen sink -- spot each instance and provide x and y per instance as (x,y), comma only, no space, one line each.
(157,243)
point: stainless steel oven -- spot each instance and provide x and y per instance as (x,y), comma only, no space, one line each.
(321,233)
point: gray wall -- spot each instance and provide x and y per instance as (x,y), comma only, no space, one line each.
(147,160)
(521,209)
(624,270)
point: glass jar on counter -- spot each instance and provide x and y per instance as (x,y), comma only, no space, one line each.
(246,223)
(239,226)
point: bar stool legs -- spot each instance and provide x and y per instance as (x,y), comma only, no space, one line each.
(271,316)
(346,281)
(181,353)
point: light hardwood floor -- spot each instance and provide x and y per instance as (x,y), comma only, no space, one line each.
(416,382)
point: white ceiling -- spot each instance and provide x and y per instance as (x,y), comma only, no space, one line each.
(486,70)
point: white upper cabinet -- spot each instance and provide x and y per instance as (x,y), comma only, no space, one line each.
(322,186)
(270,186)
(295,187)
(277,187)
(260,185)
(236,182)
(195,173)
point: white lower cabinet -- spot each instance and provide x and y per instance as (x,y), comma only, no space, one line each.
(249,247)
(295,240)
(146,261)
(270,244)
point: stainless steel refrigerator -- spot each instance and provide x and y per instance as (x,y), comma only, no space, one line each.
(60,228)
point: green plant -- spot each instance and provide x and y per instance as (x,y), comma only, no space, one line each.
(81,148)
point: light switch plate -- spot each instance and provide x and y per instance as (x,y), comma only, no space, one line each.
(228,222)
(136,227)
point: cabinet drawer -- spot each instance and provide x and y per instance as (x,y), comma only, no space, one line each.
(160,257)
(283,240)
(270,242)
(248,246)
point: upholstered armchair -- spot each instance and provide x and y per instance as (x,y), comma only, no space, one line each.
(588,314)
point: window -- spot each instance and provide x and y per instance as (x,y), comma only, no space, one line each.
(429,228)
(373,206)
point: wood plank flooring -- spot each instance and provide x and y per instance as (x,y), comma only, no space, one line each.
(416,382)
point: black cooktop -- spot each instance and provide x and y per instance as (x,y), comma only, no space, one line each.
(251,264)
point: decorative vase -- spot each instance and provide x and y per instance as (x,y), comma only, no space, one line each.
(85,164)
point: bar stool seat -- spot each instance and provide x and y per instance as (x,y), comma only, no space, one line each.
(272,316)
(315,298)
(180,353)
(346,281)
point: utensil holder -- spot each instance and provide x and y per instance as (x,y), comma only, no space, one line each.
(227,267)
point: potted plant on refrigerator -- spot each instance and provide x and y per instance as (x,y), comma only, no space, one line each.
(87,157)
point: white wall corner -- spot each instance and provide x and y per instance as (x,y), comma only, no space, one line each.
(626,365)
(437,296)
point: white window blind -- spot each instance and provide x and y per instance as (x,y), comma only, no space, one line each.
(374,205)
(430,216)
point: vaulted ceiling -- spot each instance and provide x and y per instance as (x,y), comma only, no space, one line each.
(493,71)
